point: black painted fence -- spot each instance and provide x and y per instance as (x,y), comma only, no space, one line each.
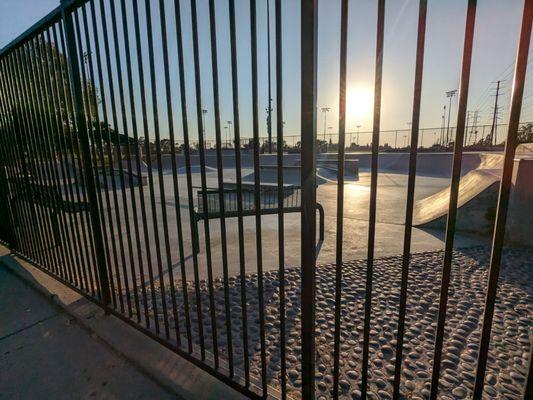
(82,88)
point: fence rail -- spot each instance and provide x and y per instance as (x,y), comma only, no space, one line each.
(85,96)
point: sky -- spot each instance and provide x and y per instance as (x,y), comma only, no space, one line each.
(496,35)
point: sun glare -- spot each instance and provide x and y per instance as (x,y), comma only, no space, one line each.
(359,103)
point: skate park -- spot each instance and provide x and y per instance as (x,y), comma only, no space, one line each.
(165,188)
(477,197)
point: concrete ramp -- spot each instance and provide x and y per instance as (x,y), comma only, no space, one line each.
(331,175)
(478,194)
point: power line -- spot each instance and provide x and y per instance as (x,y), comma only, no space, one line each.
(502,76)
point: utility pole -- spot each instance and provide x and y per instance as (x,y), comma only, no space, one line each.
(358,127)
(466,128)
(325,111)
(450,94)
(493,135)
(396,139)
(269,109)
(473,128)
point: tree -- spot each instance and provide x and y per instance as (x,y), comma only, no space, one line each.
(525,133)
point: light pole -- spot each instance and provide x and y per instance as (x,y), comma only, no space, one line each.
(325,111)
(226,129)
(269,109)
(441,139)
(204,112)
(229,132)
(450,95)
(358,127)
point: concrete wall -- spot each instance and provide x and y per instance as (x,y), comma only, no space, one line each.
(520,218)
(428,164)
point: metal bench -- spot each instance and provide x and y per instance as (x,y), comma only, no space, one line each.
(269,205)
(45,196)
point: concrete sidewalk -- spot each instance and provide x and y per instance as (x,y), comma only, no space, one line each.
(46,354)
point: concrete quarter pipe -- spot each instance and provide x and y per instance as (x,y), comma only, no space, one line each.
(478,195)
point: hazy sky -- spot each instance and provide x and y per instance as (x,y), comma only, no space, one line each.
(497,27)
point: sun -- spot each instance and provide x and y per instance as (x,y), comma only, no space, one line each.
(359,101)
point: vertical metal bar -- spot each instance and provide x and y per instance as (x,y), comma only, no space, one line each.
(220,178)
(17,99)
(148,156)
(65,95)
(12,239)
(454,193)
(257,195)
(89,178)
(76,242)
(25,213)
(56,106)
(74,148)
(528,390)
(309,42)
(109,141)
(42,74)
(96,149)
(25,239)
(118,158)
(25,85)
(65,171)
(128,160)
(504,193)
(82,229)
(118,145)
(340,195)
(81,183)
(415,124)
(238,171)
(281,217)
(174,180)
(373,193)
(269,61)
(37,140)
(5,174)
(138,168)
(155,112)
(87,109)
(85,58)
(187,149)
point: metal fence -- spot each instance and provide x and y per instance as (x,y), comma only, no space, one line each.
(82,86)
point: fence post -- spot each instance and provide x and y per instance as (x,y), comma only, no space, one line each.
(309,17)
(81,125)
